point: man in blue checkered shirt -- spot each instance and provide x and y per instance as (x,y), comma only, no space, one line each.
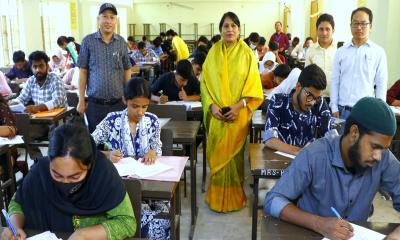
(43,91)
(46,90)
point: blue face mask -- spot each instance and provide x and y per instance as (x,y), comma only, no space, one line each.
(252,46)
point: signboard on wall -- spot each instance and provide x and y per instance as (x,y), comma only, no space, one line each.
(73,17)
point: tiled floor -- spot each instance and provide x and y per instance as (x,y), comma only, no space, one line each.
(237,225)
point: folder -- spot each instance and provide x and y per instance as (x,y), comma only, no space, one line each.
(49,113)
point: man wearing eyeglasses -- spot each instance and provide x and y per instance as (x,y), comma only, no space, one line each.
(295,119)
(359,68)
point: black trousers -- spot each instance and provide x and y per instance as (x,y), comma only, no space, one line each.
(95,113)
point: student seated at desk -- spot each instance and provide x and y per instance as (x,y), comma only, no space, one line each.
(136,133)
(144,55)
(273,78)
(197,63)
(45,89)
(295,119)
(176,86)
(344,172)
(75,189)
(5,89)
(47,92)
(57,62)
(21,70)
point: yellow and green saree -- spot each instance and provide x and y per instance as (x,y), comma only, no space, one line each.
(229,74)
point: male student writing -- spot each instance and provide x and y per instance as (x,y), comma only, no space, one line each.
(344,172)
(178,85)
(295,119)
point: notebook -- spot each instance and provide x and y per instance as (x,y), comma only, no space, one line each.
(49,113)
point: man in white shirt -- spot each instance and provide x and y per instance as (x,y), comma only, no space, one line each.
(323,51)
(303,51)
(359,68)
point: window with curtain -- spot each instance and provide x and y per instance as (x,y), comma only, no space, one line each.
(10,40)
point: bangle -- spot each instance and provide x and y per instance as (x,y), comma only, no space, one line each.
(244,102)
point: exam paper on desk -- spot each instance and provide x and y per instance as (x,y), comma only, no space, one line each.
(362,233)
(129,166)
(44,236)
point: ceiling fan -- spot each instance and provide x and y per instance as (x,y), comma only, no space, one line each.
(179,5)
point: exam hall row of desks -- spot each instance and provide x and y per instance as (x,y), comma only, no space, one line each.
(184,132)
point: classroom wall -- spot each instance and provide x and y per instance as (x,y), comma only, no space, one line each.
(385,32)
(255,16)
(32,34)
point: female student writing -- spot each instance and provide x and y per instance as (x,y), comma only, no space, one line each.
(136,133)
(75,189)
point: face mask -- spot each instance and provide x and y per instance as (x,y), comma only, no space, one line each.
(252,46)
(68,189)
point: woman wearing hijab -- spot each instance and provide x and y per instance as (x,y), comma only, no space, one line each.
(57,62)
(230,92)
(75,189)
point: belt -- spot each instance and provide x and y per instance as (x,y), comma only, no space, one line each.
(101,101)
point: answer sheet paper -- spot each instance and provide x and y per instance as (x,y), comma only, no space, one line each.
(129,166)
(12,141)
(362,233)
(187,104)
(285,154)
(44,236)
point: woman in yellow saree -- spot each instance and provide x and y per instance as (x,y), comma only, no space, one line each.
(230,78)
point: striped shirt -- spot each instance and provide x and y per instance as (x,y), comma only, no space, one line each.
(51,93)
(105,63)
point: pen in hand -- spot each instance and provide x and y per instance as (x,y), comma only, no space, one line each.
(336,213)
(8,220)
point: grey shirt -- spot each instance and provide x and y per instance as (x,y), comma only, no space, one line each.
(105,64)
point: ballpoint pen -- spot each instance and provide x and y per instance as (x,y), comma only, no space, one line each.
(336,213)
(8,220)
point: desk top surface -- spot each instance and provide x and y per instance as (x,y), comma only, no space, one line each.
(183,131)
(263,158)
(272,228)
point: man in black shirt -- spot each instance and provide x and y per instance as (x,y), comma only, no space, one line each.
(178,85)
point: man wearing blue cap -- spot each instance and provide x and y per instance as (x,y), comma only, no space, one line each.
(104,66)
(344,172)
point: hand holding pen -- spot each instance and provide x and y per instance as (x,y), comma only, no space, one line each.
(12,232)
(335,228)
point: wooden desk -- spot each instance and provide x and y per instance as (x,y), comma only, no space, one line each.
(257,126)
(185,132)
(264,163)
(169,191)
(54,120)
(272,228)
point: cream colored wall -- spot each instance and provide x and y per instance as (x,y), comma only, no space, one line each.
(386,32)
(258,16)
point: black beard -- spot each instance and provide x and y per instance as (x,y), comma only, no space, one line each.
(41,78)
(354,155)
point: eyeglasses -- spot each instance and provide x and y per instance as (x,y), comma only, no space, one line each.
(310,97)
(359,24)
